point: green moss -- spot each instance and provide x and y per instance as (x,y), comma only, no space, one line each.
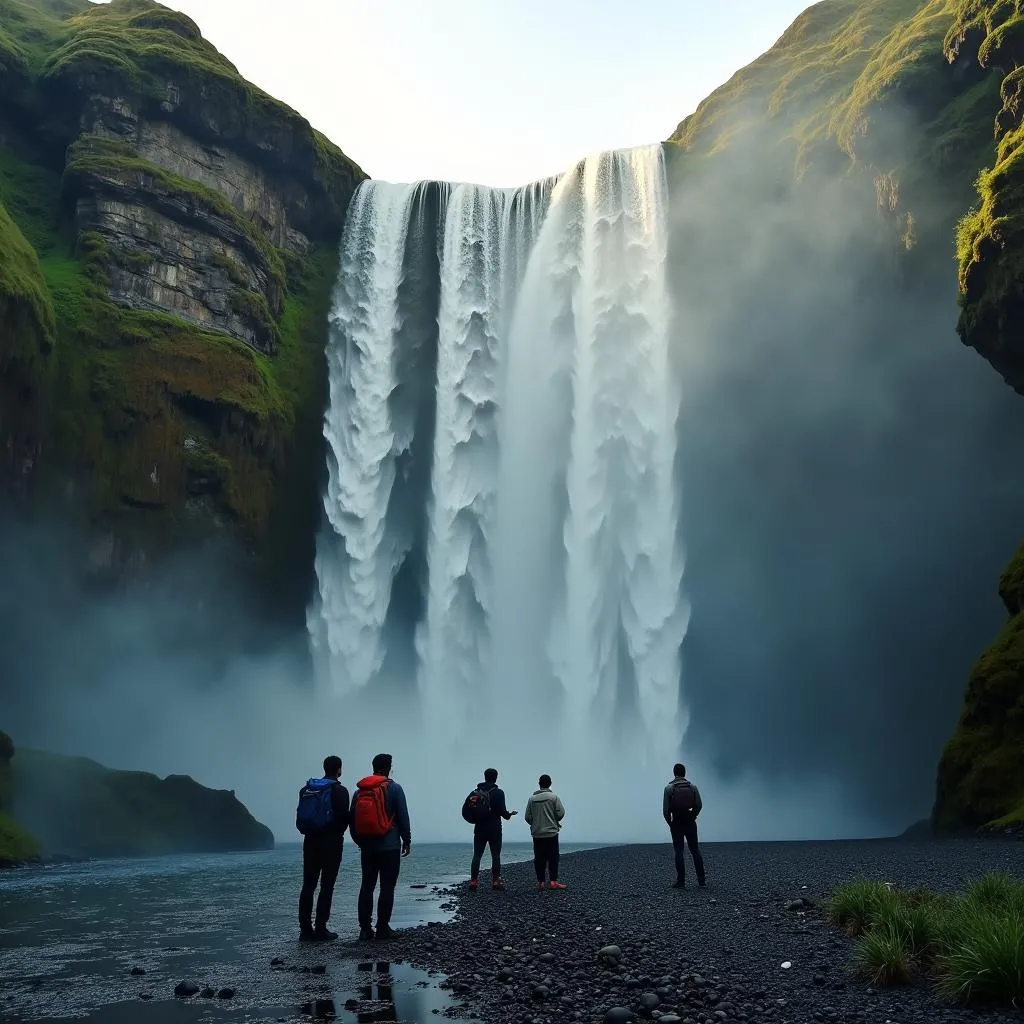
(981,774)
(25,307)
(16,845)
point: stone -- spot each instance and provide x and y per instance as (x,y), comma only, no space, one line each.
(185,989)
(619,1015)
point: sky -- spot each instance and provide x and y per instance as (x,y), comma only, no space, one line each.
(497,93)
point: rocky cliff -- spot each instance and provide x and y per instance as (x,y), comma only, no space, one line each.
(169,238)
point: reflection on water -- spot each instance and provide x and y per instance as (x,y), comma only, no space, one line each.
(383,993)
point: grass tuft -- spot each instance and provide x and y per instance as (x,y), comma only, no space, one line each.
(971,945)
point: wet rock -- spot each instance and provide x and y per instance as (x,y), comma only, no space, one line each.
(137,972)
(541,992)
(226,993)
(185,989)
(146,996)
(318,969)
(618,1015)
(207,993)
(277,962)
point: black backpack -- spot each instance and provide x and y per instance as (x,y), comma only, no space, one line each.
(683,798)
(476,808)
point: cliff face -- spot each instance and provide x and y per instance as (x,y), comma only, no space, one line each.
(170,237)
(911,111)
(109,813)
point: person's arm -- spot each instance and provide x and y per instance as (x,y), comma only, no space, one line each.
(697,802)
(528,814)
(666,807)
(559,809)
(498,804)
(342,807)
(402,817)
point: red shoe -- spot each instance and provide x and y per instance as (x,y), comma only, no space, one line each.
(473,883)
(541,886)
(497,884)
(558,885)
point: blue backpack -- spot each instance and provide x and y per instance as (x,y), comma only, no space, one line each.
(315,811)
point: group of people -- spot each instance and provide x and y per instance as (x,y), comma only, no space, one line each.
(377,818)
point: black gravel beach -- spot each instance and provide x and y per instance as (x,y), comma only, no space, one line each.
(694,955)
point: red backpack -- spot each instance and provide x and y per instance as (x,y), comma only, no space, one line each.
(370,818)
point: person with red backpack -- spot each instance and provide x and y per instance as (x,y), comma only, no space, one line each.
(680,806)
(380,828)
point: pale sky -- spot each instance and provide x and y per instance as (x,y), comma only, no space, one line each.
(498,92)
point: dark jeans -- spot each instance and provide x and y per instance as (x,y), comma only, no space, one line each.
(321,861)
(481,841)
(383,865)
(545,855)
(684,833)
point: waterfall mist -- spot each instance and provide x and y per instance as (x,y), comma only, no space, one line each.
(550,560)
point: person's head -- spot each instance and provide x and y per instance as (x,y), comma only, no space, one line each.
(491,775)
(382,764)
(544,782)
(679,770)
(332,767)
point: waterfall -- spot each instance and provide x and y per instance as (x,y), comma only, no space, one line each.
(552,581)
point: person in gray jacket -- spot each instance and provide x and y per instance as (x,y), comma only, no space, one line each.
(544,814)
(680,805)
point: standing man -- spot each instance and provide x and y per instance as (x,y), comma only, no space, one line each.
(380,827)
(486,808)
(680,806)
(544,814)
(322,817)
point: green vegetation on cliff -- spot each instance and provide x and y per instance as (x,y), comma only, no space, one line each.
(161,413)
(16,845)
(79,808)
(990,238)
(981,774)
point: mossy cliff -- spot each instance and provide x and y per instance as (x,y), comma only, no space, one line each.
(76,807)
(16,845)
(168,240)
(913,108)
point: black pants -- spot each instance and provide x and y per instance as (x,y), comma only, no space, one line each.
(481,841)
(321,861)
(383,865)
(684,833)
(545,855)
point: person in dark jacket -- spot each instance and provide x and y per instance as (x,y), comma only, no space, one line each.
(381,855)
(680,806)
(487,833)
(321,855)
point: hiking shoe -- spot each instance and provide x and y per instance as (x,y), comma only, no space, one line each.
(541,886)
(323,935)
(557,885)
(385,931)
(701,883)
(678,885)
(366,935)
(473,883)
(497,884)
(306,934)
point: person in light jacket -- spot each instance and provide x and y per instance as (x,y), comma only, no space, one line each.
(544,814)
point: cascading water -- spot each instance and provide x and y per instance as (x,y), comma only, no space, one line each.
(552,612)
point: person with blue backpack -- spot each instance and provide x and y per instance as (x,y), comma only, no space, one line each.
(322,817)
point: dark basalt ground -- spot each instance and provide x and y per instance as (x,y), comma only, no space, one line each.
(699,956)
